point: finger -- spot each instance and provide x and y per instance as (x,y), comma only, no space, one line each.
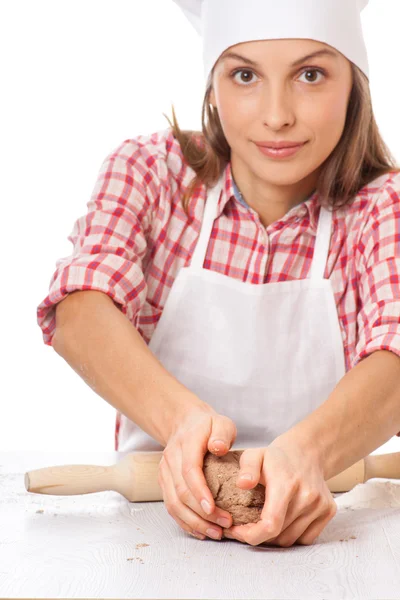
(251,462)
(185,527)
(286,536)
(187,518)
(301,505)
(192,472)
(315,528)
(273,514)
(223,435)
(312,521)
(237,532)
(175,466)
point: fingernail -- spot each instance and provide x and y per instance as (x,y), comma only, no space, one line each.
(214,447)
(223,522)
(206,507)
(213,533)
(247,476)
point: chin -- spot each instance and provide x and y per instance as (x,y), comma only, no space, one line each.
(283,176)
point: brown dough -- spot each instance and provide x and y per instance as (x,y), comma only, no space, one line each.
(221,473)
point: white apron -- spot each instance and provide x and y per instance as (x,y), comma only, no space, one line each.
(264,355)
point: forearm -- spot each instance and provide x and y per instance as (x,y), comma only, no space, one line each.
(360,415)
(105,349)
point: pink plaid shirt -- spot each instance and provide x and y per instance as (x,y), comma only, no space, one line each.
(136,236)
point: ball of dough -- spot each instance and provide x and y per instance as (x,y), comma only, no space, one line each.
(221,473)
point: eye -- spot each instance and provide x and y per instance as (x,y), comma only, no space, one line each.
(233,75)
(250,74)
(320,71)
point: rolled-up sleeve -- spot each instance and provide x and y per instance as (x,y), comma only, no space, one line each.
(378,269)
(378,266)
(110,241)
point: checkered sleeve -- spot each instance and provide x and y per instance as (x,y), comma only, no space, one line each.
(110,240)
(378,265)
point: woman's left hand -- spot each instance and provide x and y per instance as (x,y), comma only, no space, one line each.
(298,503)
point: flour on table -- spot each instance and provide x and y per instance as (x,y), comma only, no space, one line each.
(375,493)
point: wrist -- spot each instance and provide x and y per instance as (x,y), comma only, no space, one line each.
(178,408)
(308,446)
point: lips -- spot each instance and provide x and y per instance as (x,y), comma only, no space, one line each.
(280,153)
(280,145)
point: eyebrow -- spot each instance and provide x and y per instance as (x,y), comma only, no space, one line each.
(295,64)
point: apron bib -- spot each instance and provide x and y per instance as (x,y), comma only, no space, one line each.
(264,355)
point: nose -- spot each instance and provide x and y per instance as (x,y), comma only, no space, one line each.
(277,106)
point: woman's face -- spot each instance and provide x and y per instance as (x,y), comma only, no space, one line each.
(275,100)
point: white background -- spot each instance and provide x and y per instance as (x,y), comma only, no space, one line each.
(78,78)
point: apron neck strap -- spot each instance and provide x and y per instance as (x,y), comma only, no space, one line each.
(322,242)
(210,212)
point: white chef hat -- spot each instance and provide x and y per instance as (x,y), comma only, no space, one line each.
(224,23)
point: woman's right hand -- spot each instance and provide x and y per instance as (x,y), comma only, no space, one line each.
(180,474)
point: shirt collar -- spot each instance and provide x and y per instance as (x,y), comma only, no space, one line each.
(307,208)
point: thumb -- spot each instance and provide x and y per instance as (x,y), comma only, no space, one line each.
(223,434)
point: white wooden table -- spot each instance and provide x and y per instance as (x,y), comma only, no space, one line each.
(102,546)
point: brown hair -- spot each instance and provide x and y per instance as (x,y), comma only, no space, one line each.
(359,157)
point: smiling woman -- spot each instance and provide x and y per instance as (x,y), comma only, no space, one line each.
(264,281)
(297,92)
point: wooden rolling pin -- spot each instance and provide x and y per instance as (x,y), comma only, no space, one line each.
(136,476)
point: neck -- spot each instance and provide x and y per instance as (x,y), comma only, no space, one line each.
(271,201)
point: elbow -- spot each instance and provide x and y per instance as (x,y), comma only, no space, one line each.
(64,312)
(72,312)
(58,342)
